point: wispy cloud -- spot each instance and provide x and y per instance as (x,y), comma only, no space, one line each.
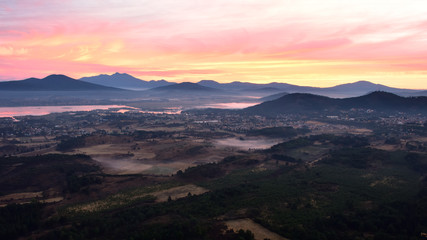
(167,38)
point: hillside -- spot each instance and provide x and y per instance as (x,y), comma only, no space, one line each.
(311,104)
(53,83)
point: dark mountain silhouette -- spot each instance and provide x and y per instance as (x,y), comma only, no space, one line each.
(314,104)
(53,83)
(185,86)
(383,101)
(124,80)
(343,90)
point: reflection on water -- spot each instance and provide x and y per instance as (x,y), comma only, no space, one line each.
(44,110)
(247,143)
(163,112)
(231,105)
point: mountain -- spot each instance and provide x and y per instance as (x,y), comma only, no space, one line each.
(185,87)
(124,80)
(343,90)
(244,86)
(53,83)
(212,84)
(362,86)
(315,104)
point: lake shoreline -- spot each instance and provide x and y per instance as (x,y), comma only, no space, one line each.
(12,112)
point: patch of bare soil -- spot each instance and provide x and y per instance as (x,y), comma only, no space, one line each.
(164,157)
(26,197)
(178,192)
(122,199)
(259,231)
(23,195)
(122,166)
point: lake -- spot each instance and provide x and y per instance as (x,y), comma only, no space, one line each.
(44,110)
(230,105)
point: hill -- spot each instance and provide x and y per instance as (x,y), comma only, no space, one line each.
(53,83)
(124,80)
(315,104)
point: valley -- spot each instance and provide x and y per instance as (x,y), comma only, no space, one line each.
(213,120)
(199,172)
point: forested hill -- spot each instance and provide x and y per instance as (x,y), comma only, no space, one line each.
(309,103)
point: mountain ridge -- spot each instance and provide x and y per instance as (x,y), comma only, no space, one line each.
(125,81)
(313,104)
(185,86)
(54,82)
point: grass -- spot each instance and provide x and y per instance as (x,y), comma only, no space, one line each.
(120,200)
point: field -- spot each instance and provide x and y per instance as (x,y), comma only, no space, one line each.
(162,157)
(160,193)
(259,231)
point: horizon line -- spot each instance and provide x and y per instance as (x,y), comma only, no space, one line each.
(177,82)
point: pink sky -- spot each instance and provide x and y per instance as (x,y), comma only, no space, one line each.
(304,42)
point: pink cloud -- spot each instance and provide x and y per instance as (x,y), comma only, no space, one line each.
(175,73)
(12,70)
(78,37)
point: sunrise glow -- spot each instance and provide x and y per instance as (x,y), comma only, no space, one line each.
(305,42)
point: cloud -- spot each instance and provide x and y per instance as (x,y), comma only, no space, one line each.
(170,37)
(11,51)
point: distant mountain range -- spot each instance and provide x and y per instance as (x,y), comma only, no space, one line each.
(309,103)
(53,83)
(125,81)
(186,86)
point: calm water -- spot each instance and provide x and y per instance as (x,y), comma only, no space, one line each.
(43,110)
(231,105)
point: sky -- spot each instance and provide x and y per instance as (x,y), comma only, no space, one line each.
(304,42)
